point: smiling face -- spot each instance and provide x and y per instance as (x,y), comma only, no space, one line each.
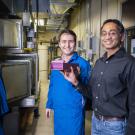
(111,37)
(67,44)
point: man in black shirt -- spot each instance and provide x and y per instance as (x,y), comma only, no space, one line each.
(112,84)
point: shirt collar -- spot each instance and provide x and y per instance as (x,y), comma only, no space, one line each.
(120,53)
(74,56)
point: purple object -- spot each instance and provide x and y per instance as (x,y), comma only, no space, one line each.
(60,65)
(57,65)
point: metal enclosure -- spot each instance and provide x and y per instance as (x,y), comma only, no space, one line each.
(34,60)
(17,78)
(11,34)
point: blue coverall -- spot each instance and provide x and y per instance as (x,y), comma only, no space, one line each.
(66,101)
(3,104)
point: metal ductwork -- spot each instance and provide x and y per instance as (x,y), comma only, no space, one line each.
(59,14)
(55,13)
(58,7)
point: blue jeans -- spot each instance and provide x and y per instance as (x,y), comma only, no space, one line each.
(103,127)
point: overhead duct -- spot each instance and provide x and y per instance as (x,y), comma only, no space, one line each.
(17,7)
(58,7)
(54,12)
(43,5)
(59,13)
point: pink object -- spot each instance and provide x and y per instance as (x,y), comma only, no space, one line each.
(57,65)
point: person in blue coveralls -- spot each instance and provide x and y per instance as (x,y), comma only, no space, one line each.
(3,104)
(63,98)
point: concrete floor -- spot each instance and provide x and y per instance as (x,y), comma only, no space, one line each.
(43,126)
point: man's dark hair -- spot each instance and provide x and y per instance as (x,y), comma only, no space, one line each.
(117,22)
(68,32)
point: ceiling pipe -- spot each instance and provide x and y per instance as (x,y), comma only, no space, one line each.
(26,6)
(37,11)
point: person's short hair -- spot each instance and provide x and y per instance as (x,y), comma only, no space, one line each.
(117,22)
(68,32)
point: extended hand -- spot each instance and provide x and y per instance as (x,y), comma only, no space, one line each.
(71,77)
(48,113)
